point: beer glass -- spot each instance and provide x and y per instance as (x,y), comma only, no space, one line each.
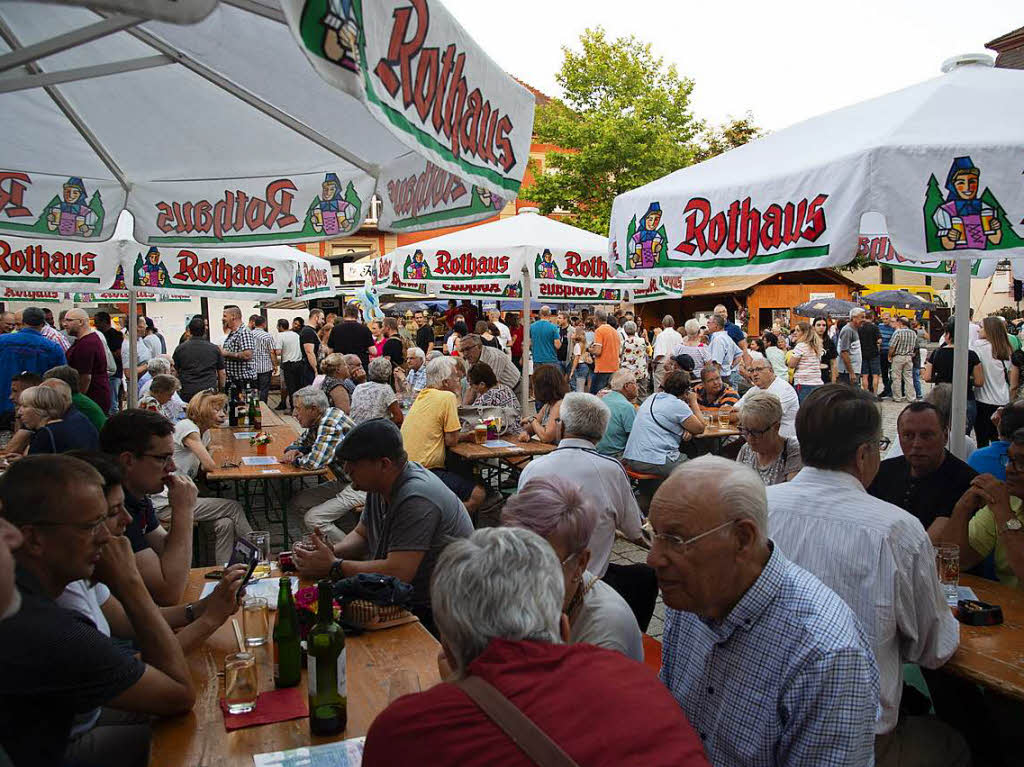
(723,416)
(261,540)
(947,564)
(256,619)
(958,224)
(241,684)
(987,215)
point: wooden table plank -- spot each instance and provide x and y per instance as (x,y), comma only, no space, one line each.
(269,416)
(993,656)
(474,452)
(225,447)
(200,739)
(717,431)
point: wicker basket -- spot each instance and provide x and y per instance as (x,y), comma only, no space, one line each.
(371,617)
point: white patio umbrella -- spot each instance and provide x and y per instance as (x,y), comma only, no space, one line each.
(524,256)
(941,161)
(220,133)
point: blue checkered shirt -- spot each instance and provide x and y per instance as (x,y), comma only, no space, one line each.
(262,354)
(319,443)
(787,678)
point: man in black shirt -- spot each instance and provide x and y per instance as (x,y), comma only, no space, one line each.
(351,336)
(309,344)
(870,346)
(927,480)
(200,364)
(393,348)
(424,332)
(115,338)
(54,663)
(142,444)
(562,352)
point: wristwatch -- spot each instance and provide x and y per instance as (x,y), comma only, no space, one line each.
(1012,525)
(335,573)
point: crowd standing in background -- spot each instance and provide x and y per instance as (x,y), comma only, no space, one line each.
(796,566)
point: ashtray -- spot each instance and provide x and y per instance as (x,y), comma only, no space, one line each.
(975,613)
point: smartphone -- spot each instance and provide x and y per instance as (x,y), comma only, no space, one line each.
(244,552)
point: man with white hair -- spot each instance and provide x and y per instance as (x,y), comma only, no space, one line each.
(619,399)
(472,349)
(770,666)
(322,507)
(415,377)
(763,378)
(432,425)
(497,599)
(158,366)
(504,334)
(848,346)
(876,556)
(724,351)
(667,340)
(584,419)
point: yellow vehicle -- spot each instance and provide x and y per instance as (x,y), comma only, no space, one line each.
(927,292)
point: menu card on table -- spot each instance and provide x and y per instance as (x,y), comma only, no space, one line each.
(345,753)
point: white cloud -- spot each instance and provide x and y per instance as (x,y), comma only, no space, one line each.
(785,61)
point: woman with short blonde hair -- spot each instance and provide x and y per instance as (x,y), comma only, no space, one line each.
(775,458)
(336,384)
(42,410)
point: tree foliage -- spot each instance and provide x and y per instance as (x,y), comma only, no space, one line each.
(626,120)
(729,135)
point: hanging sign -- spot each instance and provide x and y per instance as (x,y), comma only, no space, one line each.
(27,263)
(416,194)
(72,208)
(879,248)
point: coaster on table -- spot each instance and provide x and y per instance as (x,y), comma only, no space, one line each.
(274,706)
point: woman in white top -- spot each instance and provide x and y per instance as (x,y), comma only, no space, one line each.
(994,350)
(191,452)
(556,509)
(805,359)
(694,346)
(376,398)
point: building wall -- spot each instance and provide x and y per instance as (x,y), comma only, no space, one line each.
(768,296)
(872,275)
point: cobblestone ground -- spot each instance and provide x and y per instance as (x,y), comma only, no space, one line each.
(624,552)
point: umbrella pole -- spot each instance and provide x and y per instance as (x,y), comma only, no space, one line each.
(962,314)
(133,345)
(524,381)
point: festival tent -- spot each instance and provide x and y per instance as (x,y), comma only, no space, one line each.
(941,161)
(220,133)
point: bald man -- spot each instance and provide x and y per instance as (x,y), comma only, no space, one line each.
(7,322)
(88,355)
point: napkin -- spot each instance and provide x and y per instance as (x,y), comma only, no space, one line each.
(274,706)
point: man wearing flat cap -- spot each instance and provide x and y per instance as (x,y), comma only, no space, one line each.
(409,517)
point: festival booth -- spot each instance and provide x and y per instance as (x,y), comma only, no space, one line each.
(945,179)
(527,256)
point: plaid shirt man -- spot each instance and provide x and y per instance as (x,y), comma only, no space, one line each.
(238,341)
(262,359)
(318,445)
(903,342)
(786,678)
(58,338)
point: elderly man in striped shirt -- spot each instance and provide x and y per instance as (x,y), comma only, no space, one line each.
(770,666)
(902,347)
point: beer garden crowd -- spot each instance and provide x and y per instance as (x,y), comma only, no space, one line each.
(795,562)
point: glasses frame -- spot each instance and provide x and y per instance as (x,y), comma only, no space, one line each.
(682,545)
(745,432)
(164,459)
(86,527)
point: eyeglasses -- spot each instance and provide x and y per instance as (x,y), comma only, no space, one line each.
(1007,461)
(680,545)
(89,527)
(568,559)
(745,432)
(164,459)
(883,443)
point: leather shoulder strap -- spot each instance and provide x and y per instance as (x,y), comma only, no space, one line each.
(532,740)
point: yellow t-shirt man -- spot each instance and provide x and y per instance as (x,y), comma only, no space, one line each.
(985,539)
(432,415)
(608,360)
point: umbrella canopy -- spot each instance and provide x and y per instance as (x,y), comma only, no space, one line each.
(218,133)
(946,179)
(495,254)
(825,307)
(897,299)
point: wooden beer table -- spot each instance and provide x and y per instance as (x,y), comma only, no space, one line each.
(499,465)
(249,481)
(712,432)
(993,656)
(199,739)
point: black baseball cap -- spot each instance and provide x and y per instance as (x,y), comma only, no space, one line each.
(379,438)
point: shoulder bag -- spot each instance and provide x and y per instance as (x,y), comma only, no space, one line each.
(530,739)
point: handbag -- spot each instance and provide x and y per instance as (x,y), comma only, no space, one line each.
(530,738)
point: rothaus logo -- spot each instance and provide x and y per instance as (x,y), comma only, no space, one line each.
(743,228)
(578,266)
(434,84)
(12,194)
(314,277)
(237,212)
(36,261)
(221,272)
(468,265)
(420,192)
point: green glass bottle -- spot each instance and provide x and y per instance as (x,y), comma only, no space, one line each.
(325,673)
(287,652)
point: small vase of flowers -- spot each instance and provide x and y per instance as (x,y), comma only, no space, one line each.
(260,440)
(306,605)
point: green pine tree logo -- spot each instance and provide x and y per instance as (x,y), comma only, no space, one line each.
(543,269)
(934,199)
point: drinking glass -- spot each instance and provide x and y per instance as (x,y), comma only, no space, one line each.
(256,619)
(723,416)
(261,540)
(947,563)
(987,214)
(241,684)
